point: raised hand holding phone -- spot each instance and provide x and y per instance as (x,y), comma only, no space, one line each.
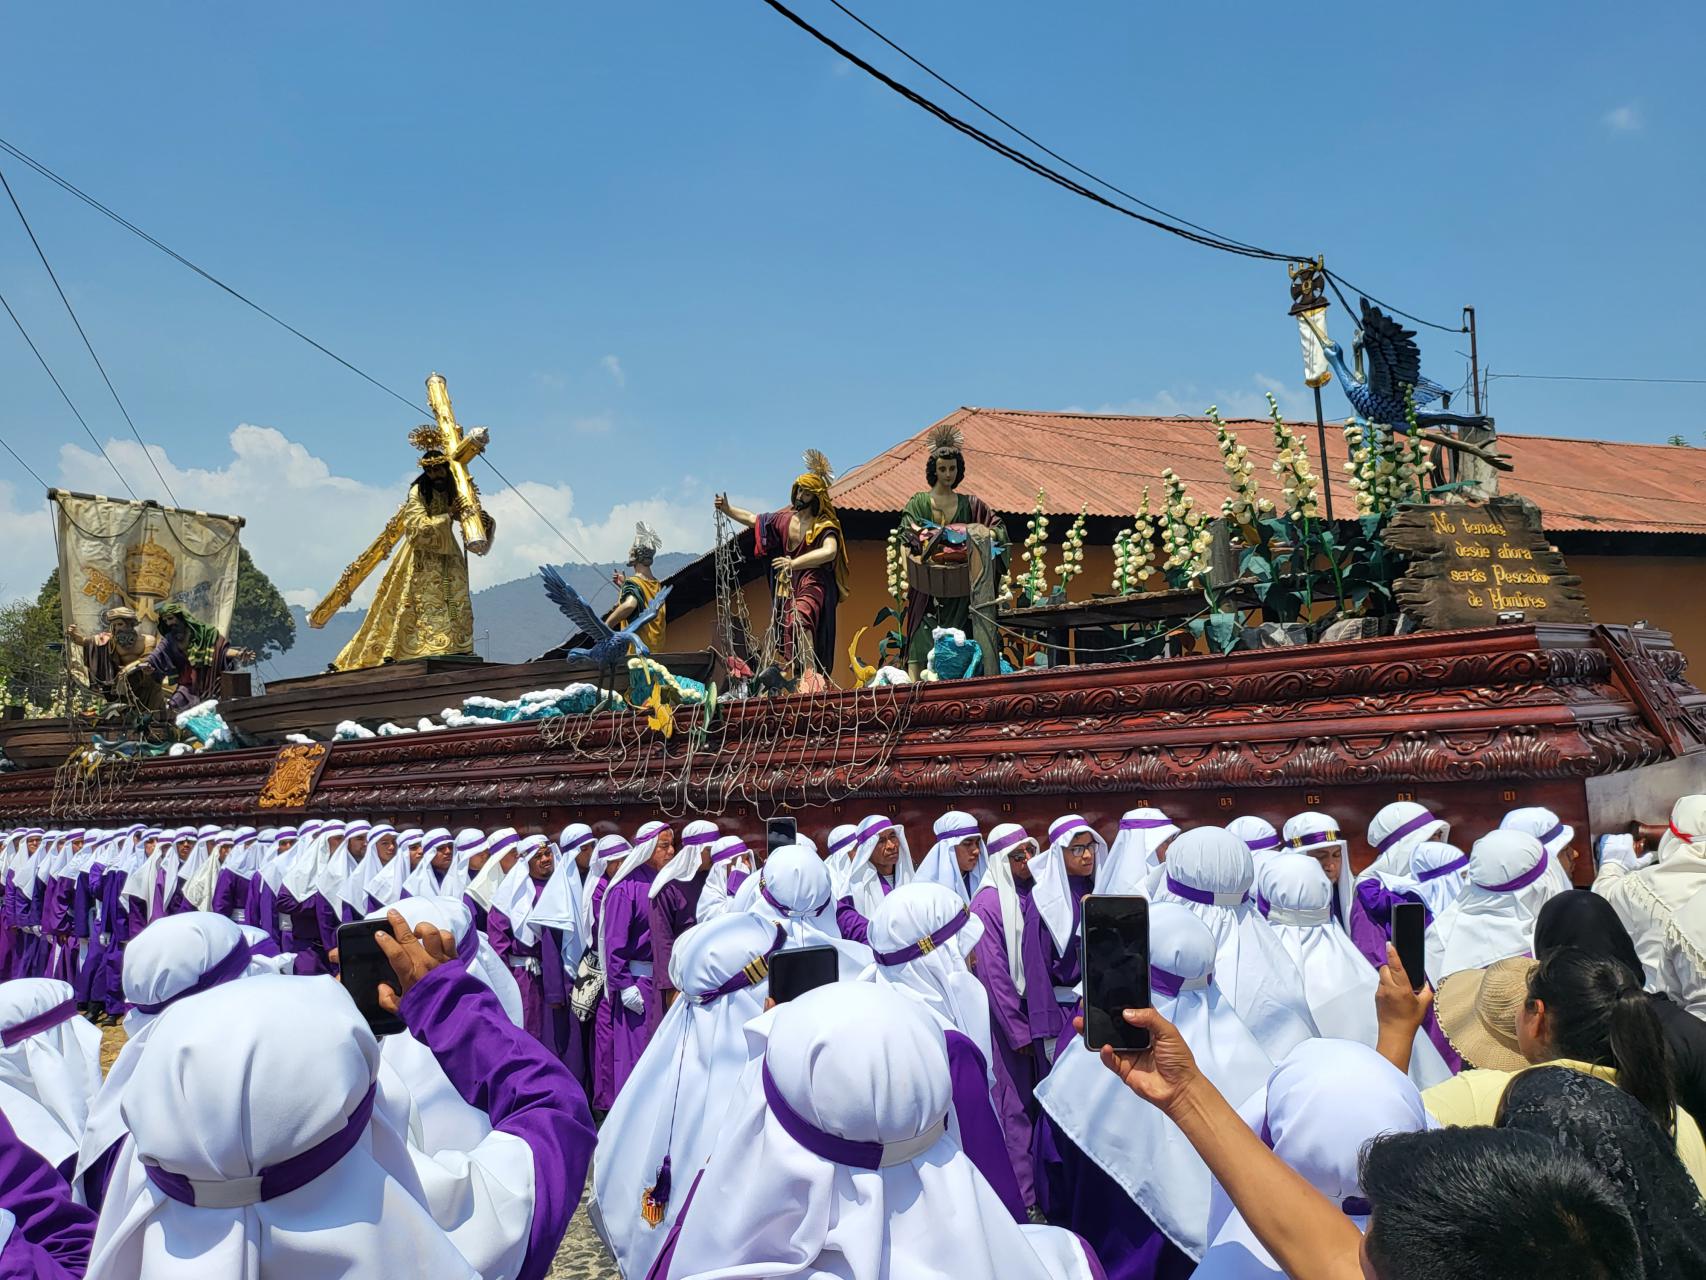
(1114,945)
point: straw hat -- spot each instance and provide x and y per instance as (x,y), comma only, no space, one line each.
(1477,1010)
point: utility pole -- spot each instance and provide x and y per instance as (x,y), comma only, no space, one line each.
(1474,359)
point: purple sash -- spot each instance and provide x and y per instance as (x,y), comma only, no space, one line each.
(1525,879)
(1261,844)
(1206,897)
(277,1180)
(827,1146)
(1456,864)
(21,1031)
(234,965)
(1166,983)
(750,974)
(764,892)
(1415,824)
(925,945)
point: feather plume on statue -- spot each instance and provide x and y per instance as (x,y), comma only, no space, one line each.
(818,465)
(945,439)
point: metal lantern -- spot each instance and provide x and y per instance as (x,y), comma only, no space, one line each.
(1310,307)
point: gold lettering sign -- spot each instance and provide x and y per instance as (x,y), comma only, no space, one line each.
(1469,564)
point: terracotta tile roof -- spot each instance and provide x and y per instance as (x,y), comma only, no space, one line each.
(1106,460)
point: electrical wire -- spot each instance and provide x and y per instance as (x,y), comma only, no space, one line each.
(26,466)
(1574,377)
(86,198)
(1043,147)
(1019,157)
(89,346)
(55,380)
(585,559)
(1168,222)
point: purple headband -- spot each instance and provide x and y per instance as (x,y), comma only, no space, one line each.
(1456,864)
(837,846)
(752,973)
(863,836)
(1163,982)
(1415,824)
(1329,836)
(1144,824)
(827,1146)
(1552,834)
(1060,828)
(234,964)
(434,845)
(503,845)
(1261,844)
(959,833)
(735,851)
(1524,880)
(925,945)
(702,837)
(1206,897)
(1007,841)
(764,892)
(277,1180)
(41,1022)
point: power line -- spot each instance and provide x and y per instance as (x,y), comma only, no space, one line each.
(130,226)
(26,466)
(1043,147)
(89,345)
(1576,377)
(1018,157)
(63,395)
(1168,222)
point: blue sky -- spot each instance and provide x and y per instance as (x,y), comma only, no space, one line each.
(659,246)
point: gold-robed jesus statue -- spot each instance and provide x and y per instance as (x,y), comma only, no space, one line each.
(422,609)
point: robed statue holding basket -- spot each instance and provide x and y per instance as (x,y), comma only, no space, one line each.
(954,542)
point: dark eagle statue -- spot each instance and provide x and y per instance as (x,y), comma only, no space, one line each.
(1394,362)
(609,647)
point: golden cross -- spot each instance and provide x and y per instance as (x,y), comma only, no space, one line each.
(460,450)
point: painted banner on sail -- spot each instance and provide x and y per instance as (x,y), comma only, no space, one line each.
(137,555)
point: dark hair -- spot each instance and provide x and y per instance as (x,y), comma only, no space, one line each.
(1582,919)
(1598,1013)
(930,467)
(433,480)
(1497,1204)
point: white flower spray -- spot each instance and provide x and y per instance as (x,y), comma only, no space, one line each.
(1185,535)
(1245,502)
(894,560)
(1291,465)
(1133,550)
(1072,550)
(1035,582)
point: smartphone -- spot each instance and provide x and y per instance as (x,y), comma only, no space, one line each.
(1409,921)
(797,971)
(362,966)
(779,833)
(1113,942)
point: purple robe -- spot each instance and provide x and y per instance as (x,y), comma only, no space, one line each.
(1021,1029)
(981,1137)
(1371,918)
(1086,1200)
(52,1235)
(230,896)
(620,1034)
(521,961)
(853,925)
(299,931)
(500,1070)
(672,913)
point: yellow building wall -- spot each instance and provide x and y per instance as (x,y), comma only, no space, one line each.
(1668,591)
(867,596)
(1665,590)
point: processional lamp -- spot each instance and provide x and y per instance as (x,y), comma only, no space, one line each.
(1309,306)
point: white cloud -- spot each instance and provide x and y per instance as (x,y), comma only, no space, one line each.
(1623,119)
(305,523)
(613,367)
(594,424)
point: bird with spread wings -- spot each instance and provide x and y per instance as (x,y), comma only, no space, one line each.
(608,646)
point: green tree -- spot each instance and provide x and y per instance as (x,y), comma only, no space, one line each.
(1677,440)
(32,673)
(260,619)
